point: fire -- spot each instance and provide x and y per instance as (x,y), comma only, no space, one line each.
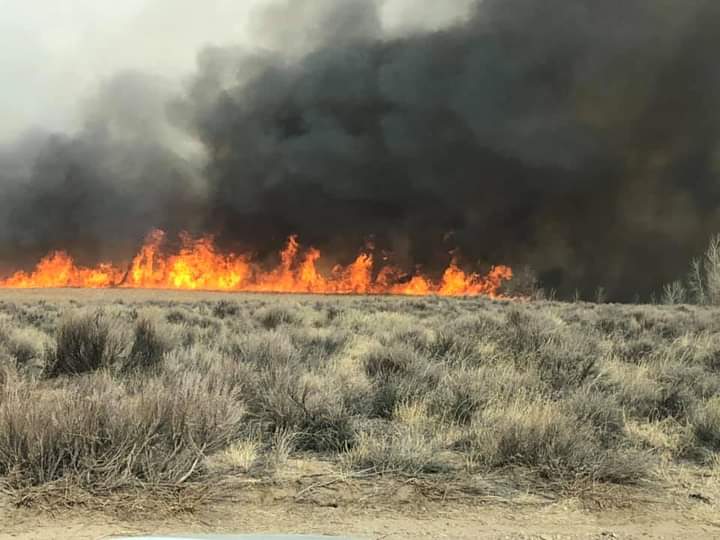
(198,265)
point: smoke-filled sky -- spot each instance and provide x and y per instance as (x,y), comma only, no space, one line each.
(576,136)
(54,54)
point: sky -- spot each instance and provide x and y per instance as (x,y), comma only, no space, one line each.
(53,53)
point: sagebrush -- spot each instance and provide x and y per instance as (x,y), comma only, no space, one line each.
(106,394)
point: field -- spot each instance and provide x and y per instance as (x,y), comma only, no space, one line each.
(146,403)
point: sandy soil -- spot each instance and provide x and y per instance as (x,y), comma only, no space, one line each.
(307,500)
(432,521)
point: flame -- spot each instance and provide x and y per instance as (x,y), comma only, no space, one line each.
(198,265)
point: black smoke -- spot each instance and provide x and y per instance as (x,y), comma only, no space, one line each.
(576,136)
(98,193)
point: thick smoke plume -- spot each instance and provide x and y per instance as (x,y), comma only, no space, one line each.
(576,136)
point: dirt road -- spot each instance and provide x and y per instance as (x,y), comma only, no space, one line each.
(396,521)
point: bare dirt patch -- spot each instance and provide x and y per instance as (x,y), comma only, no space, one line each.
(309,497)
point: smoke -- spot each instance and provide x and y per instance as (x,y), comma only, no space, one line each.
(578,137)
(98,192)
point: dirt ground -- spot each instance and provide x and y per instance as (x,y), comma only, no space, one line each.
(310,500)
(431,521)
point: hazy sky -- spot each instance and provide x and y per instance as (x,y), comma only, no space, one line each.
(54,52)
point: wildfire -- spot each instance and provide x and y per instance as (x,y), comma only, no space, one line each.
(198,265)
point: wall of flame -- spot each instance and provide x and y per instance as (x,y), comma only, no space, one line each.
(199,265)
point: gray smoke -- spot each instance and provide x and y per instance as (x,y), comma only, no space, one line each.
(579,137)
(99,192)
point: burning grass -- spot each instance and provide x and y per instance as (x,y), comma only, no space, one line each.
(200,265)
(105,394)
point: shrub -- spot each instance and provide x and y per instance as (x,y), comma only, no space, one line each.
(706,424)
(385,397)
(148,347)
(8,372)
(402,449)
(96,433)
(523,283)
(525,333)
(242,454)
(326,429)
(27,346)
(565,391)
(224,309)
(681,386)
(176,316)
(458,396)
(263,349)
(454,348)
(711,267)
(541,436)
(564,365)
(275,395)
(593,408)
(282,397)
(282,444)
(668,389)
(316,347)
(636,350)
(674,293)
(564,360)
(382,363)
(83,343)
(398,373)
(703,280)
(273,316)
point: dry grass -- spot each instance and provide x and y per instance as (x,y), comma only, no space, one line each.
(170,390)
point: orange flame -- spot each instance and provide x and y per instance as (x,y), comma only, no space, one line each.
(199,266)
